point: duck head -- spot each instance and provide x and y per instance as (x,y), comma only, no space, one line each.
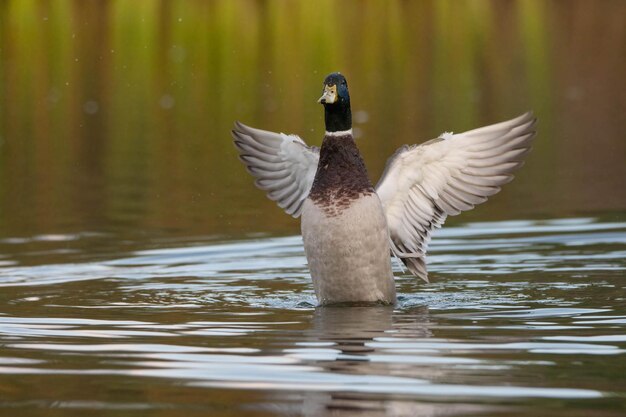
(336,101)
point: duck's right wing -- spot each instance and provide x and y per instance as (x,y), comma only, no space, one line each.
(283,165)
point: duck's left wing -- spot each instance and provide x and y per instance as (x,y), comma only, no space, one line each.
(283,165)
(422,185)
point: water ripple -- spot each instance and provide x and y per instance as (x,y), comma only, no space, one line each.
(508,301)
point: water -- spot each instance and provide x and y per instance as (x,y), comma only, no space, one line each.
(521,316)
(141,274)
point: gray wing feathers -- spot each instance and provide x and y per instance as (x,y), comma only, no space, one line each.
(493,153)
(283,165)
(422,185)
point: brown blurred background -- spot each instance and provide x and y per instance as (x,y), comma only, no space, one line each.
(115,115)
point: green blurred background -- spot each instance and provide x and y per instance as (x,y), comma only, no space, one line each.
(115,115)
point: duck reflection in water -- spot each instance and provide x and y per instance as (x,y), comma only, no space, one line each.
(351,329)
(354,342)
(350,332)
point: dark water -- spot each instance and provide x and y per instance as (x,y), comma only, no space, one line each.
(141,274)
(521,316)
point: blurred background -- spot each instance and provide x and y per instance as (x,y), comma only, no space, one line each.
(143,274)
(115,115)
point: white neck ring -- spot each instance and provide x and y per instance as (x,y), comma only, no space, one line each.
(339,133)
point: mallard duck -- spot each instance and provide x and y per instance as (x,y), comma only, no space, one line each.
(349,227)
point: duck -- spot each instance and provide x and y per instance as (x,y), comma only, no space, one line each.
(350,228)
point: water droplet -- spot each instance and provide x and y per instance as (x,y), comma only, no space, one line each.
(177,53)
(91,107)
(166,101)
(361,116)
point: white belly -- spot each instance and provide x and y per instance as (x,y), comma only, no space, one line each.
(348,252)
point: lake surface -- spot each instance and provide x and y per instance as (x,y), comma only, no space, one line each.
(142,274)
(521,317)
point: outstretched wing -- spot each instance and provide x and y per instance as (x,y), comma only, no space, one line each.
(283,165)
(422,185)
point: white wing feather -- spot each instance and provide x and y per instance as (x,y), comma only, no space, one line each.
(422,185)
(283,165)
